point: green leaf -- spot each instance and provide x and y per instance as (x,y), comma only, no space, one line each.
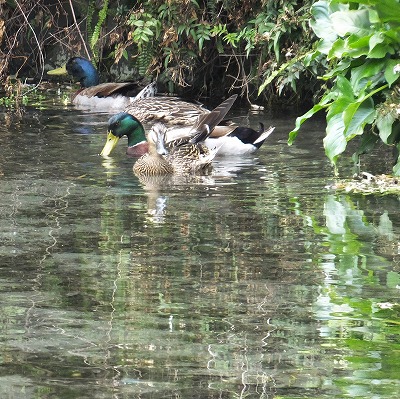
(344,88)
(356,116)
(301,119)
(338,49)
(282,68)
(388,11)
(378,47)
(180,29)
(147,31)
(389,73)
(367,144)
(334,141)
(310,57)
(366,74)
(340,69)
(352,45)
(351,22)
(376,39)
(193,33)
(325,102)
(384,124)
(139,23)
(357,42)
(322,24)
(201,42)
(276,46)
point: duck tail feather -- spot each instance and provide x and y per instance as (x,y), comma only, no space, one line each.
(149,91)
(201,135)
(206,123)
(264,136)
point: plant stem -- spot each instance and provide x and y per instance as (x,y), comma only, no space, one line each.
(79,31)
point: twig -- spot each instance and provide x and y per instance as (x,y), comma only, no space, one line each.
(38,44)
(79,31)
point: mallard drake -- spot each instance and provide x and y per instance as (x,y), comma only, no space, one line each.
(185,155)
(173,112)
(239,140)
(116,96)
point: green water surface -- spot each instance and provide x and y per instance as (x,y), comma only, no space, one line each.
(255,282)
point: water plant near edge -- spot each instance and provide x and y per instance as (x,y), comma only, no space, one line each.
(360,43)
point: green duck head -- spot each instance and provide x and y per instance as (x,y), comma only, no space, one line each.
(81,69)
(123,124)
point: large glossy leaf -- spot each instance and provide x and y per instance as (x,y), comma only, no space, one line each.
(351,46)
(325,102)
(356,116)
(337,49)
(351,22)
(301,119)
(366,74)
(322,23)
(346,119)
(379,47)
(358,39)
(384,124)
(344,88)
(335,141)
(389,73)
(388,11)
(357,42)
(322,26)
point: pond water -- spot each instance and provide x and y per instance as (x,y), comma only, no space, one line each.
(257,281)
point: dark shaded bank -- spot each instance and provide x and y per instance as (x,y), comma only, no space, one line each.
(197,48)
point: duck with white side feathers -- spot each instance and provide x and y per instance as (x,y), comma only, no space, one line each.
(104,96)
(231,139)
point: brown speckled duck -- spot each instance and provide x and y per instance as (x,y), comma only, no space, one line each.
(177,115)
(185,155)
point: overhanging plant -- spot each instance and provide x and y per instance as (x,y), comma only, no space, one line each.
(360,43)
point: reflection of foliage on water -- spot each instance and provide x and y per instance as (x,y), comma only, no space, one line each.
(221,294)
(224,283)
(359,321)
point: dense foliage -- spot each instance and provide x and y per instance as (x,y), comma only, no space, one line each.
(360,46)
(206,47)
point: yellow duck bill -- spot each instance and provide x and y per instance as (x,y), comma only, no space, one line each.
(110,144)
(58,71)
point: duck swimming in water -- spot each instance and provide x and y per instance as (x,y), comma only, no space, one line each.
(183,156)
(231,140)
(149,108)
(104,96)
